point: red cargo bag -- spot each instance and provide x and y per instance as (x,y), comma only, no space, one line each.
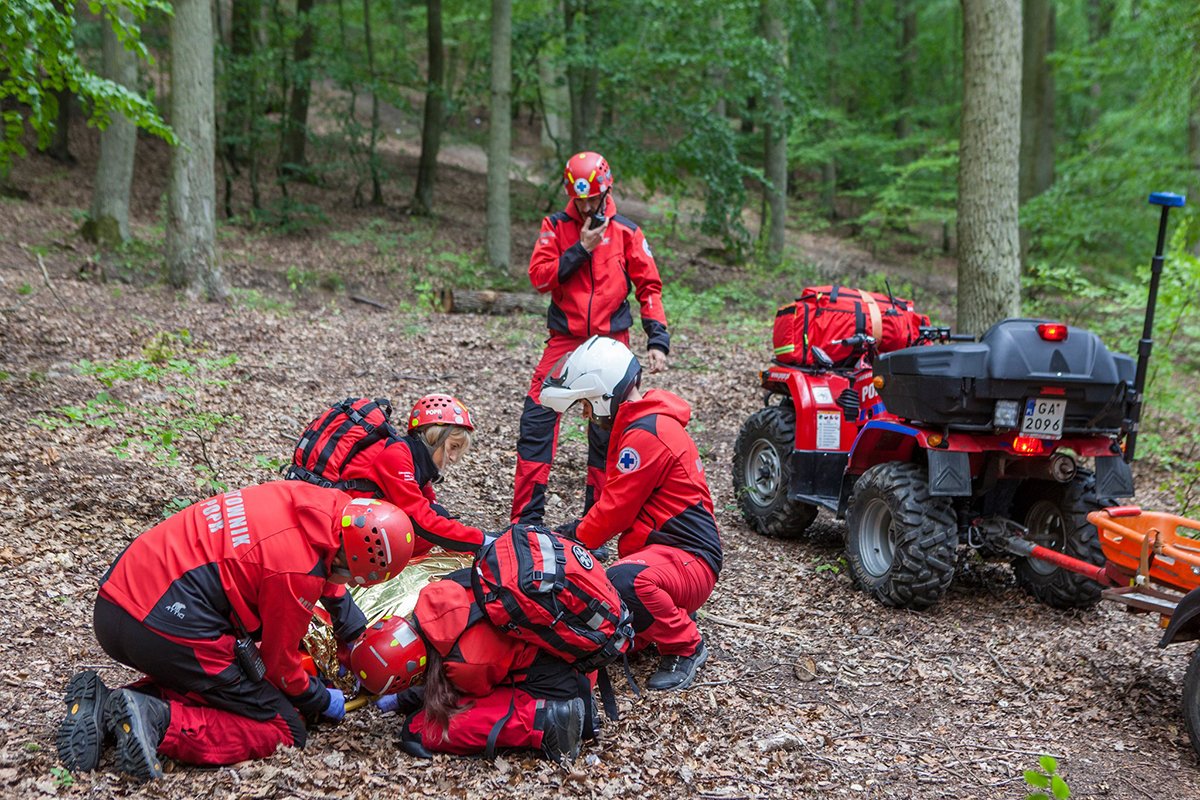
(548,590)
(822,315)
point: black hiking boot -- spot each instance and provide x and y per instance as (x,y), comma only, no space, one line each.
(562,729)
(80,738)
(139,722)
(678,672)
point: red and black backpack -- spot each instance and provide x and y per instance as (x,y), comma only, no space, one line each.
(333,440)
(548,590)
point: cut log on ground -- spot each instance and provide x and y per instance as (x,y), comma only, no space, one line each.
(489,301)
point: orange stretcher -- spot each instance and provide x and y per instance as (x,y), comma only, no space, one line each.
(1150,547)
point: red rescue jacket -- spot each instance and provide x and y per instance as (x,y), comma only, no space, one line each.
(655,491)
(262,553)
(404,471)
(478,656)
(589,292)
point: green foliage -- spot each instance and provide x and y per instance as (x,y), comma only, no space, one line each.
(62,777)
(1046,777)
(38,58)
(170,421)
(253,298)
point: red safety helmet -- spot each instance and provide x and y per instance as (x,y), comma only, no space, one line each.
(439,409)
(389,656)
(377,538)
(587,175)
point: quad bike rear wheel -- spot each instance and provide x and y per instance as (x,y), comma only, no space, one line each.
(901,542)
(1191,701)
(1056,516)
(762,472)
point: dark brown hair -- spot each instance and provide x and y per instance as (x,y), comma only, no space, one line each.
(441,697)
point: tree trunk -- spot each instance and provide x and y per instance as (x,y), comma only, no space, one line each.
(431,128)
(775,131)
(556,106)
(499,221)
(989,264)
(1194,145)
(574,36)
(1099,20)
(906,14)
(829,168)
(191,194)
(293,160)
(59,147)
(240,98)
(1037,99)
(373,149)
(108,223)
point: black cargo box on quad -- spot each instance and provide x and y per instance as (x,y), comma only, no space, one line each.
(959,384)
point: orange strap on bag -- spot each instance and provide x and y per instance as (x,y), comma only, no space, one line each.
(875,315)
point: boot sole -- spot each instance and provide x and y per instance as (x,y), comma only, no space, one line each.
(80,738)
(136,755)
(577,711)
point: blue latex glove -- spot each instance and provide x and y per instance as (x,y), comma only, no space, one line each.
(388,703)
(337,705)
(402,702)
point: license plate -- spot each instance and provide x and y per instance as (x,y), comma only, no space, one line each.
(1043,418)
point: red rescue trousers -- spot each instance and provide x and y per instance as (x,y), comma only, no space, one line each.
(537,440)
(218,715)
(471,725)
(663,586)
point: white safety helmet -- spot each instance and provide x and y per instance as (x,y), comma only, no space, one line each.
(601,370)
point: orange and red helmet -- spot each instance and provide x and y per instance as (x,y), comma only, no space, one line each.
(439,409)
(377,538)
(587,175)
(389,656)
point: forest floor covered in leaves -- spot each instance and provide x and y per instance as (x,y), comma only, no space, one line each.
(812,690)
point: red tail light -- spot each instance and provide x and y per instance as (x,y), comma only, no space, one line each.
(1028,446)
(1052,332)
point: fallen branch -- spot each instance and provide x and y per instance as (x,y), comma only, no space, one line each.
(488,301)
(750,626)
(46,279)
(368,301)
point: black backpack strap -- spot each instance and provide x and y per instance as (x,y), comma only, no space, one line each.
(489,752)
(309,441)
(354,417)
(607,696)
(295,473)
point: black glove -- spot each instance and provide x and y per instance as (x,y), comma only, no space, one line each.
(568,529)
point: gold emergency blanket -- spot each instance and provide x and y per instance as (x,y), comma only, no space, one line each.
(397,597)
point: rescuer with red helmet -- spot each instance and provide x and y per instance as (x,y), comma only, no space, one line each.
(587,258)
(212,604)
(402,466)
(483,688)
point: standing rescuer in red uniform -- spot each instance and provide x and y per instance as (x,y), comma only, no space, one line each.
(183,603)
(587,257)
(656,501)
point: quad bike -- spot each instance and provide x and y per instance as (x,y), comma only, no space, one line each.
(1004,445)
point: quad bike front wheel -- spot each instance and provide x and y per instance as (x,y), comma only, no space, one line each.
(1056,516)
(901,542)
(762,473)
